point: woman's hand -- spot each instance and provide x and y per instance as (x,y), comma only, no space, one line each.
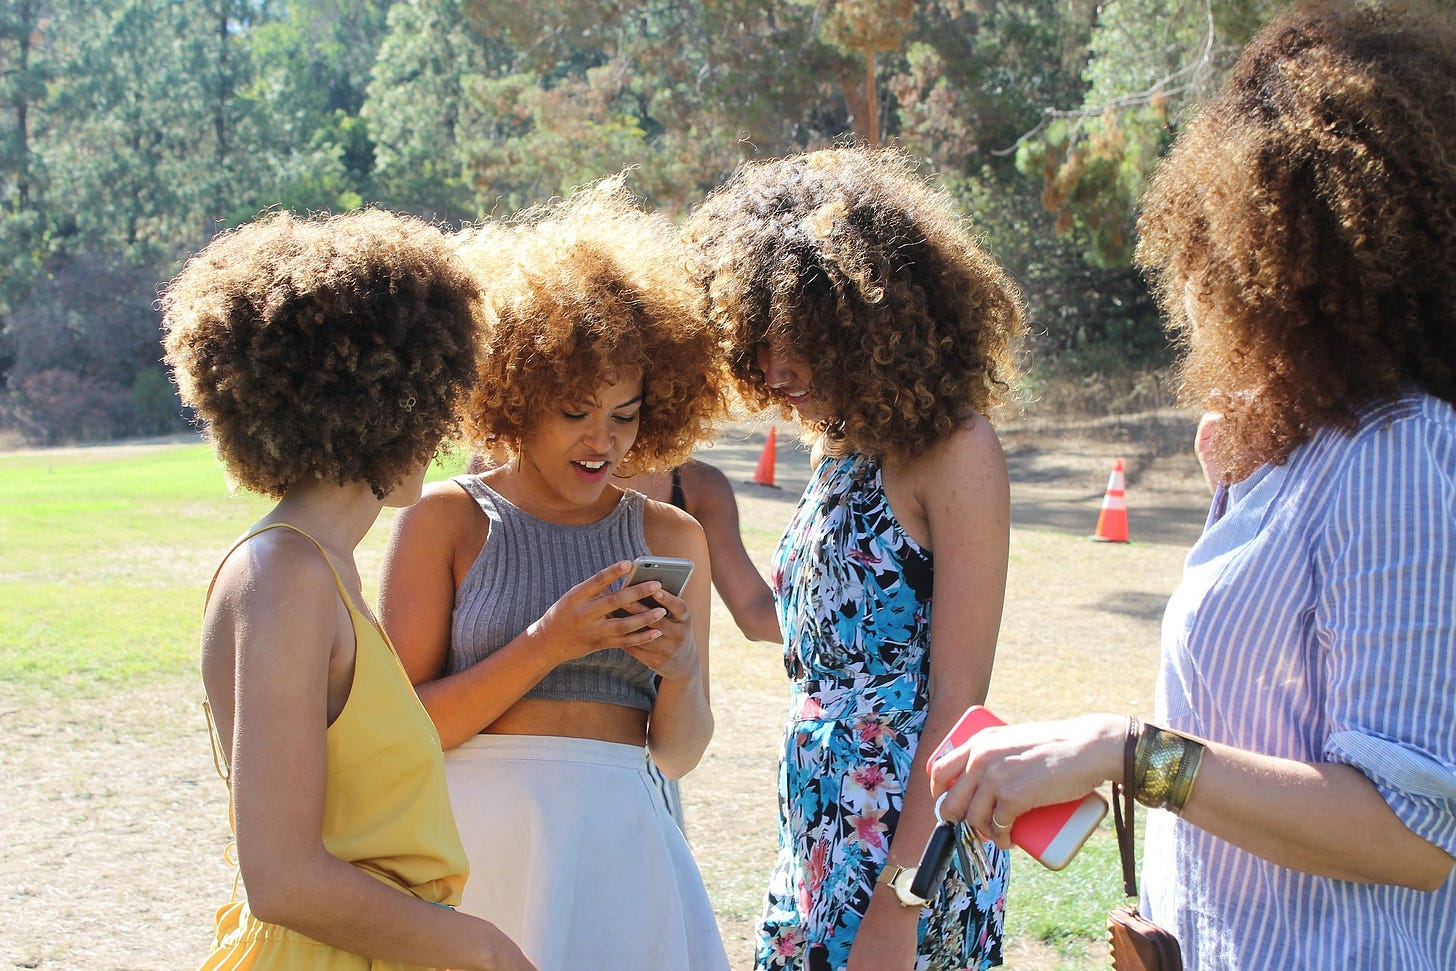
(681,723)
(582,621)
(1003,771)
(674,653)
(498,952)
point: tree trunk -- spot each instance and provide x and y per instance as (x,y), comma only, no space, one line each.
(872,100)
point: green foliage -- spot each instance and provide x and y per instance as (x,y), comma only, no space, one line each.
(1146,61)
(863,26)
(1085,319)
(311,72)
(154,403)
(1094,173)
(548,140)
(418,111)
(681,91)
(24,70)
(143,93)
(974,76)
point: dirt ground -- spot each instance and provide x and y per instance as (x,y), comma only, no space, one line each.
(113,822)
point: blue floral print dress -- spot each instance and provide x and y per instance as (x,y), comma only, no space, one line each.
(853,594)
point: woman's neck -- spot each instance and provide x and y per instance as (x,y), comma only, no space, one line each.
(338,516)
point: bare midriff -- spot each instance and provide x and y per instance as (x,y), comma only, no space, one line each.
(572,719)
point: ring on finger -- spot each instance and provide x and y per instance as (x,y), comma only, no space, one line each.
(996,824)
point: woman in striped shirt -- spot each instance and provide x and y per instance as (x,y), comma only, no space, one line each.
(1302,238)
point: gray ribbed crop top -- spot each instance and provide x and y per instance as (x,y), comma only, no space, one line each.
(524,567)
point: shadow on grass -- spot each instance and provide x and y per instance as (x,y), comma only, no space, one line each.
(1131,603)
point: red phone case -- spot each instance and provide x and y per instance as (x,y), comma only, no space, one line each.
(1051,835)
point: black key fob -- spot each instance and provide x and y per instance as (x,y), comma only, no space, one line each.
(935,861)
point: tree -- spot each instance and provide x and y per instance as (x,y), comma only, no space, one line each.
(135,150)
(311,75)
(131,130)
(23,71)
(865,27)
(149,147)
(683,91)
(1146,60)
(420,115)
(84,343)
(22,85)
(974,76)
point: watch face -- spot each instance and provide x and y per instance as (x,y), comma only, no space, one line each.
(902,883)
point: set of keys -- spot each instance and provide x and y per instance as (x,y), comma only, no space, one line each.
(950,837)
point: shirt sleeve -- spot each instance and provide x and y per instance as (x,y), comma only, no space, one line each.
(1385,619)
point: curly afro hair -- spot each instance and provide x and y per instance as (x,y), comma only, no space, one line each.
(327,349)
(574,293)
(1307,219)
(846,258)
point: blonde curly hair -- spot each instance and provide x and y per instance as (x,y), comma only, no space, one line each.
(1308,215)
(859,268)
(327,349)
(576,292)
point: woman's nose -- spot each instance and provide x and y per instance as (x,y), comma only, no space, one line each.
(597,436)
(777,369)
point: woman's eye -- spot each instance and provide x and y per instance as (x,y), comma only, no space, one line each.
(625,419)
(573,415)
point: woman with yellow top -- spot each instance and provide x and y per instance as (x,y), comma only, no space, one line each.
(326,357)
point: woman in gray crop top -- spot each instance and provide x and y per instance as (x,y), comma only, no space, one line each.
(499,591)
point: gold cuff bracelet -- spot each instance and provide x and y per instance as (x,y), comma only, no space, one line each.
(1166,766)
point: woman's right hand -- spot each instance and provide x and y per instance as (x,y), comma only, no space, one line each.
(1003,771)
(498,952)
(581,622)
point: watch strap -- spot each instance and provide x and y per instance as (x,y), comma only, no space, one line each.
(889,873)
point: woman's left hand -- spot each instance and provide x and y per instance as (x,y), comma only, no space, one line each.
(674,655)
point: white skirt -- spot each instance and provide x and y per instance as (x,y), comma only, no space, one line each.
(575,857)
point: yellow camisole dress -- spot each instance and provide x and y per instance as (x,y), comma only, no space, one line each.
(386,809)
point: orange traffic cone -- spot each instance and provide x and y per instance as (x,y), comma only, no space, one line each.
(763,474)
(1112,521)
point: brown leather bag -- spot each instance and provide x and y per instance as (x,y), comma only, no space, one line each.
(1137,944)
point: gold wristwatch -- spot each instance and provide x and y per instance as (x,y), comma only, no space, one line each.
(898,878)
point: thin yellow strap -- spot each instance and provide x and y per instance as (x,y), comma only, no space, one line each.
(338,580)
(219,756)
(219,763)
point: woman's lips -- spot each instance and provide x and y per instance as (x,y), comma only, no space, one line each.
(591,469)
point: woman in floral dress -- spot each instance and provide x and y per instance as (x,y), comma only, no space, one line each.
(852,298)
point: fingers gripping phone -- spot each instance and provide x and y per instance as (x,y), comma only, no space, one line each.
(671,571)
(1051,835)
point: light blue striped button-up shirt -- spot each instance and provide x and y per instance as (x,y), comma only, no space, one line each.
(1316,620)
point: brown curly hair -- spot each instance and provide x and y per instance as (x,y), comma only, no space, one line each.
(575,292)
(1309,213)
(859,268)
(326,349)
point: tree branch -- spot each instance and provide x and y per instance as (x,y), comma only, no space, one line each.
(1167,86)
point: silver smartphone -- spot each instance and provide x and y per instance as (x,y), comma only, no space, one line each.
(670,571)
